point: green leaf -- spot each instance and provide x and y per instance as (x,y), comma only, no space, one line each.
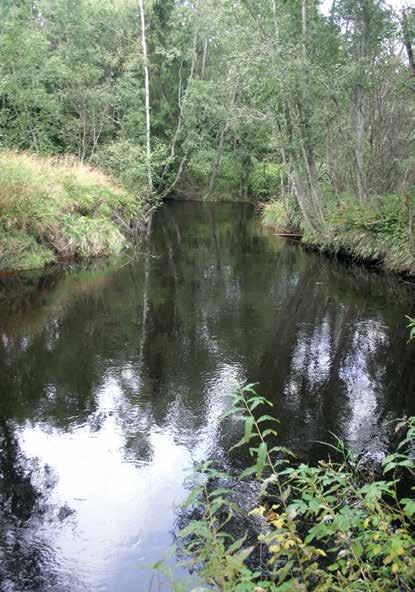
(238,444)
(247,472)
(249,424)
(237,544)
(269,432)
(261,459)
(219,491)
(409,506)
(267,418)
(193,495)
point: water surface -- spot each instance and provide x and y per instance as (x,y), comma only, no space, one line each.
(114,378)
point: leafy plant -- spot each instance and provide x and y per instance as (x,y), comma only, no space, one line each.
(324,528)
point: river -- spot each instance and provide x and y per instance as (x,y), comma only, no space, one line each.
(114,377)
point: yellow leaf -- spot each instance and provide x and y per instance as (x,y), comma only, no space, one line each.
(275,549)
(289,543)
(257,511)
(272,516)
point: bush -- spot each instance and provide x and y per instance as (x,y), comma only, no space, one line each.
(377,231)
(18,250)
(282,216)
(330,527)
(126,161)
(200,167)
(264,180)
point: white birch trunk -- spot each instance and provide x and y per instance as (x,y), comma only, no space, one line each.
(147,96)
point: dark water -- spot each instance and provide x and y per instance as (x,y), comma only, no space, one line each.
(114,378)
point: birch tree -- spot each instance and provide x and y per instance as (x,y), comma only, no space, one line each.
(147,97)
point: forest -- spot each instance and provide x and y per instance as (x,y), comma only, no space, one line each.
(306,110)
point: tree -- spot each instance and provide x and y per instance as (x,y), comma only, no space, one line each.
(147,97)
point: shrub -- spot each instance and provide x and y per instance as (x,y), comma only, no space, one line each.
(324,528)
(378,231)
(264,180)
(126,161)
(18,250)
(200,168)
(282,216)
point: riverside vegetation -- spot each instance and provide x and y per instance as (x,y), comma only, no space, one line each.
(306,111)
(54,209)
(337,525)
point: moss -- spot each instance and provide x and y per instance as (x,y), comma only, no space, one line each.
(56,208)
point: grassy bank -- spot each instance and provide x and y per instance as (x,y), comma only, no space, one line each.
(378,232)
(55,209)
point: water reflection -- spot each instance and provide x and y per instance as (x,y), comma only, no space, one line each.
(115,378)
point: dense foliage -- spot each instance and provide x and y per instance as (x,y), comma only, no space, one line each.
(333,526)
(268,99)
(228,99)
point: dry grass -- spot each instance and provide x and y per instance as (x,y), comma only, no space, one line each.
(54,208)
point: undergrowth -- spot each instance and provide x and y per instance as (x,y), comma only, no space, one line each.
(324,528)
(379,231)
(53,209)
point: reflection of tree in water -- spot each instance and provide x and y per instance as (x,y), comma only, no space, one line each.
(26,559)
(321,339)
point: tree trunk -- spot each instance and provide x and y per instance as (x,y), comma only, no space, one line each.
(204,56)
(359,144)
(362,32)
(408,205)
(221,144)
(305,185)
(276,28)
(408,41)
(192,68)
(182,102)
(304,25)
(332,168)
(147,97)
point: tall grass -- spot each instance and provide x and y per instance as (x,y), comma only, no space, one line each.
(56,208)
(380,231)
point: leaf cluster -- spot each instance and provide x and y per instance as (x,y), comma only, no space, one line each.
(327,527)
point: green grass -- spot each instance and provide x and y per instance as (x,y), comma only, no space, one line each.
(55,209)
(376,232)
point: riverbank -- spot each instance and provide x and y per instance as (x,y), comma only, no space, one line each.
(54,209)
(381,232)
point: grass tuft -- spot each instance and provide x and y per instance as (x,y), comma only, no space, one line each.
(56,208)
